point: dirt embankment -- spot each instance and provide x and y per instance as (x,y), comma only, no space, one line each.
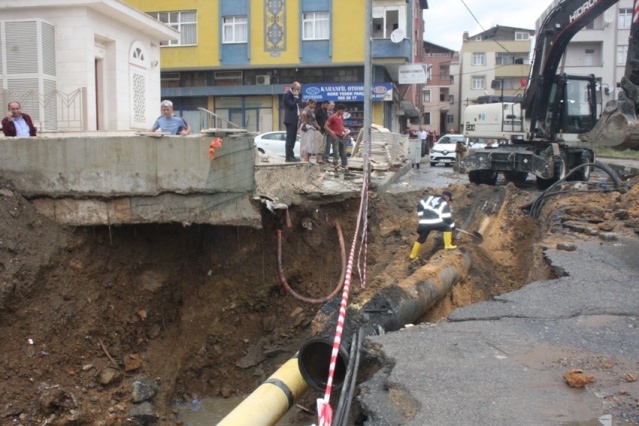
(199,311)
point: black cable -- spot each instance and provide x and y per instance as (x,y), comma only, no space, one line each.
(535,208)
(337,418)
(354,379)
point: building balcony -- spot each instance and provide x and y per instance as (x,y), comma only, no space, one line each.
(384,50)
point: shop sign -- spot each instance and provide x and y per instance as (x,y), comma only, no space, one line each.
(411,74)
(346,92)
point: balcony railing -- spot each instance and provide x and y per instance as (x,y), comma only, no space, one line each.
(53,110)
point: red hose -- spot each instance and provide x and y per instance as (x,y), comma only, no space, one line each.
(288,288)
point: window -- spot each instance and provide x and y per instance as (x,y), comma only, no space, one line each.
(624,19)
(185,22)
(315,25)
(450,119)
(451,99)
(427,118)
(519,36)
(426,96)
(479,58)
(479,83)
(234,29)
(589,57)
(503,58)
(622,53)
(590,25)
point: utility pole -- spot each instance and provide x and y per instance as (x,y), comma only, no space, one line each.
(368,75)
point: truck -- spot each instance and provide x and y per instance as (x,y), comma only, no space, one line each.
(553,127)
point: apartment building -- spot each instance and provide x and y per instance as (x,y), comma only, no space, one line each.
(236,58)
(438,95)
(495,62)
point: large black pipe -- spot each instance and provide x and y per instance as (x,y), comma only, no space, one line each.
(389,310)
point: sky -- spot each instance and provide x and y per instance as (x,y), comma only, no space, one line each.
(446,20)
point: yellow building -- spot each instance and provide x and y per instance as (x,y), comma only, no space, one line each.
(236,58)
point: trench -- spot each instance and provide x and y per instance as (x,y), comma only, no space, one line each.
(202,309)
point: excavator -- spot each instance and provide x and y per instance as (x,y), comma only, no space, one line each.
(553,127)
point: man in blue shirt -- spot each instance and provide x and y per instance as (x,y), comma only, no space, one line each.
(169,123)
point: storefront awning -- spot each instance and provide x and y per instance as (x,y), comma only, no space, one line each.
(409,109)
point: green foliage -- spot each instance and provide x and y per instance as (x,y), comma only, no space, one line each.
(612,153)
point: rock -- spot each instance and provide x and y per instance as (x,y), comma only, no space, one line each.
(606,226)
(143,414)
(296,312)
(566,246)
(577,378)
(622,214)
(608,236)
(110,375)
(252,358)
(132,362)
(143,389)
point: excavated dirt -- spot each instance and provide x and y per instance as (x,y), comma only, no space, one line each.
(200,311)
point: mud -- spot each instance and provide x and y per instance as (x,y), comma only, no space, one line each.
(200,310)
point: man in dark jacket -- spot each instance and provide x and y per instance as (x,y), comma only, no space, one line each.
(292,102)
(434,215)
(17,123)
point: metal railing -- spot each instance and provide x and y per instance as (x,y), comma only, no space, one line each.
(210,120)
(52,110)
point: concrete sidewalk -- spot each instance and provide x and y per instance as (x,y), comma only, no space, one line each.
(502,362)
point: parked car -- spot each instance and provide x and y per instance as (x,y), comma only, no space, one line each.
(272,143)
(443,152)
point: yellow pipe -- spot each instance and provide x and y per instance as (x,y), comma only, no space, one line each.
(272,400)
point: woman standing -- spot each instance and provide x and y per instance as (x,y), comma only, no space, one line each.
(309,127)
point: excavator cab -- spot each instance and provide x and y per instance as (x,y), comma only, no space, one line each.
(572,107)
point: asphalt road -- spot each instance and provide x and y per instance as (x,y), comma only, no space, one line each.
(502,362)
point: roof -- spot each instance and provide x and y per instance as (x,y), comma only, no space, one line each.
(115,9)
(500,29)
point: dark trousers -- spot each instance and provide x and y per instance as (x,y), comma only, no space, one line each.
(423,235)
(339,146)
(424,147)
(291,136)
(328,143)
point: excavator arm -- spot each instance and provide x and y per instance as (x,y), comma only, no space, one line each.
(556,31)
(618,125)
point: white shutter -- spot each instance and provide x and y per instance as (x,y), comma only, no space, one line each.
(48,49)
(22,43)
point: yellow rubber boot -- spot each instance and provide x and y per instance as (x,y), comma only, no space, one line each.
(413,254)
(448,241)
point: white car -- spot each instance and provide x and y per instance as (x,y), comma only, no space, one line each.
(272,143)
(443,152)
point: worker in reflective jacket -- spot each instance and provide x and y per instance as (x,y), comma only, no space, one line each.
(434,215)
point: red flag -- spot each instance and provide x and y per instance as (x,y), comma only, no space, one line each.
(522,82)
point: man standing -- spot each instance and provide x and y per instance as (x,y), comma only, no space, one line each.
(169,123)
(460,153)
(434,215)
(335,128)
(17,123)
(292,101)
(321,115)
(422,135)
(327,138)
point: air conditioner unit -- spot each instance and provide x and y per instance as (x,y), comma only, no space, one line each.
(263,79)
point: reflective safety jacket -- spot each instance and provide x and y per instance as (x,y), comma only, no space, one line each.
(434,213)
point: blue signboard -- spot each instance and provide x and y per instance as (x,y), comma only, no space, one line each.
(346,92)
